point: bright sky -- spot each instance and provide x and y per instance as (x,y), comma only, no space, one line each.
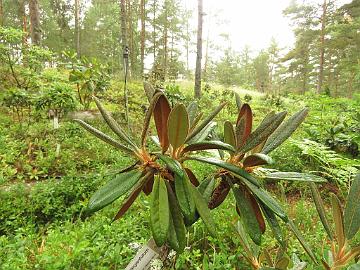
(249,22)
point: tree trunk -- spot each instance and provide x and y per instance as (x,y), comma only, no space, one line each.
(125,56)
(35,22)
(322,48)
(77,27)
(131,41)
(165,45)
(22,18)
(142,35)
(154,31)
(197,88)
(1,13)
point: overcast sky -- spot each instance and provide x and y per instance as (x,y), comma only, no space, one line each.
(249,22)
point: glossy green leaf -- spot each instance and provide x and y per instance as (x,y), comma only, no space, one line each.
(102,136)
(302,241)
(203,134)
(248,215)
(295,176)
(229,134)
(149,90)
(205,122)
(113,124)
(228,166)
(177,230)
(161,115)
(257,159)
(274,224)
(178,126)
(352,209)
(206,145)
(284,131)
(159,211)
(183,194)
(113,189)
(319,204)
(338,220)
(263,196)
(192,110)
(264,130)
(172,164)
(203,210)
(238,101)
(206,188)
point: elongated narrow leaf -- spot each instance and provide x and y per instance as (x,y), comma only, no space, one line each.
(161,115)
(132,196)
(203,134)
(203,210)
(227,166)
(295,176)
(263,196)
(149,90)
(238,101)
(148,186)
(285,130)
(263,131)
(206,121)
(229,134)
(302,241)
(219,194)
(206,188)
(338,220)
(159,211)
(248,214)
(114,125)
(319,204)
(192,177)
(177,230)
(352,209)
(274,224)
(102,136)
(257,160)
(172,164)
(243,125)
(112,190)
(192,110)
(178,126)
(183,194)
(206,145)
(195,122)
(148,115)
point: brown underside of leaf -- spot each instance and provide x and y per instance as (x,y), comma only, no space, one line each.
(149,185)
(128,202)
(243,125)
(219,194)
(257,211)
(192,177)
(161,114)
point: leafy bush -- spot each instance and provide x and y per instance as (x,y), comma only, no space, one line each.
(19,101)
(58,97)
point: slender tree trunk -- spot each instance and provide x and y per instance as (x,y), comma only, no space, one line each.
(125,56)
(142,35)
(1,13)
(154,31)
(206,57)
(22,17)
(77,27)
(35,22)
(322,48)
(131,42)
(197,88)
(165,45)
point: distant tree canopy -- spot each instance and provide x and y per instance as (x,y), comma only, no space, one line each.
(325,56)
